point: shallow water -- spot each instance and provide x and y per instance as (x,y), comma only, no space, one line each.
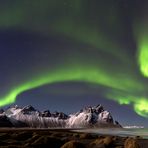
(142,132)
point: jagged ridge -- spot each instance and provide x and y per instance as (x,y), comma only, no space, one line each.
(28,116)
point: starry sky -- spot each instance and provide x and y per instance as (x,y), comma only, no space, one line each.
(67,54)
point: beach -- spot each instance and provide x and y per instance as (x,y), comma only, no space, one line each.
(65,138)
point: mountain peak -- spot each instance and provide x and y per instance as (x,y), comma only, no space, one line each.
(28,108)
(87,117)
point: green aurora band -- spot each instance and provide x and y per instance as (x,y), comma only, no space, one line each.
(143,53)
(141,35)
(87,74)
(139,103)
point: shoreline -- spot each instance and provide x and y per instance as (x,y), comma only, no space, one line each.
(56,138)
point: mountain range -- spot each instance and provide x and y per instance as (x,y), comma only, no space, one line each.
(28,116)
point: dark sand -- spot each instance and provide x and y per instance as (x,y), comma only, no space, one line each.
(64,138)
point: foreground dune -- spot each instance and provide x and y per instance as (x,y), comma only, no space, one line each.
(64,138)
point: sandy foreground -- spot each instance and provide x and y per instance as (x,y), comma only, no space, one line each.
(64,138)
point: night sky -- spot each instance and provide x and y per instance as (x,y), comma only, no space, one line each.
(66,54)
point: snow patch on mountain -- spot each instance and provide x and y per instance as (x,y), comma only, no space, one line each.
(88,117)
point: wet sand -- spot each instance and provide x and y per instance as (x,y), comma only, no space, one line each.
(64,138)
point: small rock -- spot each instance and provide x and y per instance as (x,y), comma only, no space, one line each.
(98,141)
(138,137)
(108,140)
(86,136)
(73,144)
(96,146)
(102,142)
(131,143)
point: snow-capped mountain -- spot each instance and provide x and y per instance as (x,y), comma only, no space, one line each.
(28,116)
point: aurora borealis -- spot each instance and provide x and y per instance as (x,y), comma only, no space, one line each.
(100,43)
